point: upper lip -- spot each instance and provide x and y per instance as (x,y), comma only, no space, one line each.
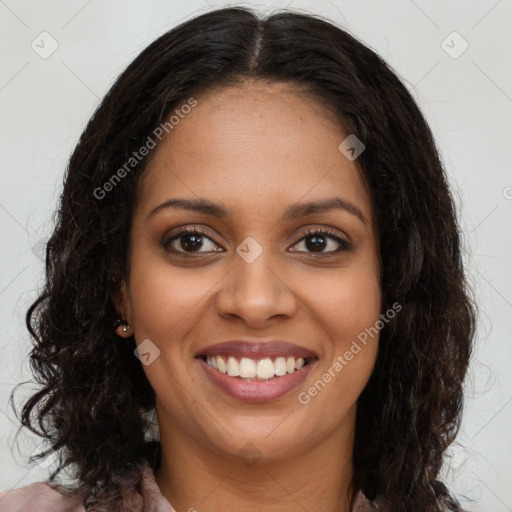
(256,349)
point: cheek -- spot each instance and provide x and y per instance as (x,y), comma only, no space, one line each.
(347,303)
(348,364)
(163,298)
(347,307)
(165,304)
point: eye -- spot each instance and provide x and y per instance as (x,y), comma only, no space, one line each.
(194,240)
(322,242)
(189,241)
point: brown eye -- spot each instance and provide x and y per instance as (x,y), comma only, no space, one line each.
(323,242)
(190,241)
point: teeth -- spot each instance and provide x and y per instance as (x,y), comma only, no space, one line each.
(299,363)
(265,368)
(221,364)
(251,369)
(247,368)
(280,366)
(233,367)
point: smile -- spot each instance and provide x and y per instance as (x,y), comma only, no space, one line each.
(254,370)
(265,385)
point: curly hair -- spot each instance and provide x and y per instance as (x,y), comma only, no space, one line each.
(94,400)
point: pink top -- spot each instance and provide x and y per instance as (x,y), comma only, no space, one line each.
(40,497)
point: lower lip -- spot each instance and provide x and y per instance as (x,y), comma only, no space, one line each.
(257,391)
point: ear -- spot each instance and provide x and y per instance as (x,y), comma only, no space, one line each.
(121,300)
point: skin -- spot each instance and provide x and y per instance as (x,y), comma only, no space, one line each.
(256,149)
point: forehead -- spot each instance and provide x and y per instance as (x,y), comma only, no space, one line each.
(254,143)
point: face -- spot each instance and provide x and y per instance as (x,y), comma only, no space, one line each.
(243,258)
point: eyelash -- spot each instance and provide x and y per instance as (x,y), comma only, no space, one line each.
(344,244)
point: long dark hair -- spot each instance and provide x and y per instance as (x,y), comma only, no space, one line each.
(94,398)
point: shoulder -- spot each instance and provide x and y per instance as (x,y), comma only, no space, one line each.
(39,497)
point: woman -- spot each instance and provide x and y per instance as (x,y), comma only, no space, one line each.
(255,241)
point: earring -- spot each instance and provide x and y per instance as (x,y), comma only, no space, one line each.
(118,323)
(121,322)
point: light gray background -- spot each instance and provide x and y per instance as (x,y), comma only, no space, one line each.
(45,104)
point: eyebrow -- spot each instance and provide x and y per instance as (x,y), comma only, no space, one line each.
(293,212)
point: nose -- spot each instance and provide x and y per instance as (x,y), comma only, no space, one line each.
(256,292)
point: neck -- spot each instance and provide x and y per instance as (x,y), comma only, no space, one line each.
(194,477)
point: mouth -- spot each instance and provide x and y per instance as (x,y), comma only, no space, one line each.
(256,371)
